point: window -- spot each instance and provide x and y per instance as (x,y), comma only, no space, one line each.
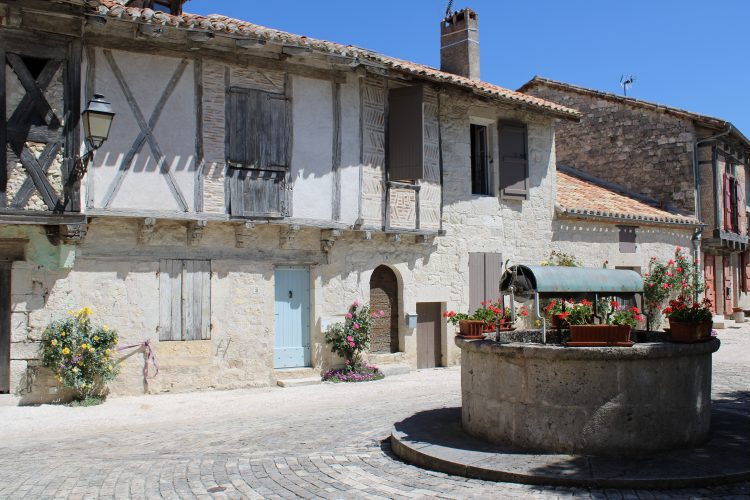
(413,149)
(258,136)
(184,300)
(480,173)
(627,239)
(485,270)
(513,164)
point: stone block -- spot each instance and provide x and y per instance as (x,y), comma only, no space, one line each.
(19,327)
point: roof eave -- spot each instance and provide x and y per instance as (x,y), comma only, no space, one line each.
(614,218)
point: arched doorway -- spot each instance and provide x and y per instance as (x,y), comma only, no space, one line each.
(384,297)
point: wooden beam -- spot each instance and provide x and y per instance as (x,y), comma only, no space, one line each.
(72,103)
(3,136)
(336,149)
(9,216)
(23,195)
(198,82)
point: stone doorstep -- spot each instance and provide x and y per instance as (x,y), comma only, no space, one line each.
(389,370)
(298,382)
(9,400)
(295,373)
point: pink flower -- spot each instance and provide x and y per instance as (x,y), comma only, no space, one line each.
(349,338)
(381,313)
(356,326)
(355,303)
(374,315)
(351,344)
(665,285)
(349,316)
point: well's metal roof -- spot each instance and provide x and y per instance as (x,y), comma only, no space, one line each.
(562,280)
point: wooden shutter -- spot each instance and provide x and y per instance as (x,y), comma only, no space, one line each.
(745,269)
(741,209)
(513,164)
(709,276)
(259,130)
(476,281)
(256,193)
(170,300)
(405,133)
(727,203)
(196,300)
(493,270)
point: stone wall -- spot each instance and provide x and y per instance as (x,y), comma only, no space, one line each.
(649,152)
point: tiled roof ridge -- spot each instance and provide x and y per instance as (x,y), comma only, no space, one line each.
(580,208)
(708,120)
(221,23)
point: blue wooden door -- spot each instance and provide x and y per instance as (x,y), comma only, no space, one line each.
(292,336)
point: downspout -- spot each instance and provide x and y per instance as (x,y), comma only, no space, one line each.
(697,191)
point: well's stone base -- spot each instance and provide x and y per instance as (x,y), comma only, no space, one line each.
(606,401)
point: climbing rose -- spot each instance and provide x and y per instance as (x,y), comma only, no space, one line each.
(349,316)
(381,313)
(356,326)
(349,338)
(351,344)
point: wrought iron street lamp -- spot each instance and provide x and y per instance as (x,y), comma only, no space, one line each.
(97,121)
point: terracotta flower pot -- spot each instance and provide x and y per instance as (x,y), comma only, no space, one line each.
(471,328)
(685,332)
(599,336)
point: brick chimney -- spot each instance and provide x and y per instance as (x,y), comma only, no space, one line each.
(459,44)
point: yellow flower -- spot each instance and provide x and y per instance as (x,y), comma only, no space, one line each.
(75,369)
(91,349)
(80,363)
(96,338)
(71,312)
(54,342)
(105,328)
(66,351)
(109,368)
(63,334)
(84,312)
(84,346)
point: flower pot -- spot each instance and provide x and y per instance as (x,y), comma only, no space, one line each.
(559,323)
(471,328)
(489,328)
(599,336)
(685,332)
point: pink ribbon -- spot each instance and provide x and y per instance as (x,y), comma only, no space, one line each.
(150,356)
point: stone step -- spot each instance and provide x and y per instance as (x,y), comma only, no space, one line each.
(719,323)
(9,400)
(298,382)
(390,370)
(291,373)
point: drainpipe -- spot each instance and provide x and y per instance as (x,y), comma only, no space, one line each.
(697,189)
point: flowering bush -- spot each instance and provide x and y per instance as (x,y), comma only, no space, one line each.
(80,355)
(689,312)
(352,337)
(561,259)
(363,374)
(679,276)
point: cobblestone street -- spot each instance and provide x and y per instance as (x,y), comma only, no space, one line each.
(317,441)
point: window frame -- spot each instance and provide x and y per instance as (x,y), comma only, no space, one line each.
(490,154)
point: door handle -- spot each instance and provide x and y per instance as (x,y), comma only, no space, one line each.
(291,295)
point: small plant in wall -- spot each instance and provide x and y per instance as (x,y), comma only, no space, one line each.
(81,354)
(349,340)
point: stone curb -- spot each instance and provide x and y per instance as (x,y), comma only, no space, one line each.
(721,461)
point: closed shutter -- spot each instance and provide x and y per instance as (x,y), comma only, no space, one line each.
(745,268)
(485,270)
(170,300)
(741,210)
(196,299)
(405,133)
(256,193)
(727,203)
(709,276)
(493,269)
(476,281)
(513,164)
(258,129)
(184,300)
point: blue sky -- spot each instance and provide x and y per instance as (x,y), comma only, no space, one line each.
(691,54)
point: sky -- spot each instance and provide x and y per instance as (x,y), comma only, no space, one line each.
(691,54)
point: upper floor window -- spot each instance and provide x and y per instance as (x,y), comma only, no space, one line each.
(480,172)
(258,138)
(513,160)
(731,203)
(627,239)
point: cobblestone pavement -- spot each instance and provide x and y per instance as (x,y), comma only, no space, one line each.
(324,441)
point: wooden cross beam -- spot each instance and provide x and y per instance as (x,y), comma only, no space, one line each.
(146,134)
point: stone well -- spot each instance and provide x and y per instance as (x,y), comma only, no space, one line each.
(597,400)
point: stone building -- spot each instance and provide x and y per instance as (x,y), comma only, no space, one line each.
(688,162)
(254,184)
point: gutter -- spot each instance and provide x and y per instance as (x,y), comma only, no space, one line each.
(622,218)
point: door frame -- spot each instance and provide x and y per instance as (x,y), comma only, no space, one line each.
(307,318)
(5,326)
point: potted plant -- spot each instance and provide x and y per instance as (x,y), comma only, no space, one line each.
(614,332)
(689,322)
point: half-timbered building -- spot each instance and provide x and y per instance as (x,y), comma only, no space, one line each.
(254,184)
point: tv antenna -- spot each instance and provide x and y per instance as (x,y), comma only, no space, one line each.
(626,83)
(449,9)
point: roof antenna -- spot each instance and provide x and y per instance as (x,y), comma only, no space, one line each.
(449,9)
(626,83)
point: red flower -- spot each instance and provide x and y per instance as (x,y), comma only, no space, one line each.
(563,315)
(635,310)
(614,305)
(585,302)
(679,269)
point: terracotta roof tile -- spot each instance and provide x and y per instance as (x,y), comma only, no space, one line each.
(581,197)
(218,23)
